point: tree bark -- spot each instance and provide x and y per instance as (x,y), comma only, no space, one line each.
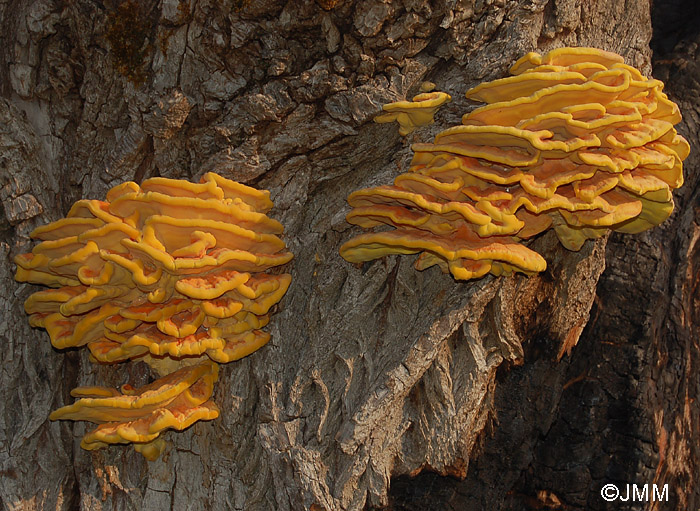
(382,386)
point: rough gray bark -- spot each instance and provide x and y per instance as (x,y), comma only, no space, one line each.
(373,372)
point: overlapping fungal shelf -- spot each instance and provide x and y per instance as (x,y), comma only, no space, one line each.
(575,140)
(413,114)
(169,272)
(175,401)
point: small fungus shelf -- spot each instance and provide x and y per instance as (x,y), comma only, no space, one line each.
(575,140)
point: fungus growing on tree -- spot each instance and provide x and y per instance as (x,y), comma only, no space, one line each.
(413,114)
(171,273)
(575,140)
(175,401)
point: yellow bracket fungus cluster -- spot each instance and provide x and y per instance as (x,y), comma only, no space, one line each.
(575,140)
(171,273)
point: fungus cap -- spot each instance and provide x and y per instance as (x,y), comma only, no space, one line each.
(575,140)
(169,272)
(139,416)
(413,114)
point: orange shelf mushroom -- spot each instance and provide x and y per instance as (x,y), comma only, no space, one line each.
(175,401)
(170,272)
(413,114)
(575,140)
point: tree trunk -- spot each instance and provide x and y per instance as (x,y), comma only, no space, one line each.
(382,386)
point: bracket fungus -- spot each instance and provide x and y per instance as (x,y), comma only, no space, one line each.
(170,272)
(413,114)
(575,140)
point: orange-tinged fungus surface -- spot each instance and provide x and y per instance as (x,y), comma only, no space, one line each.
(139,416)
(575,140)
(169,272)
(413,114)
